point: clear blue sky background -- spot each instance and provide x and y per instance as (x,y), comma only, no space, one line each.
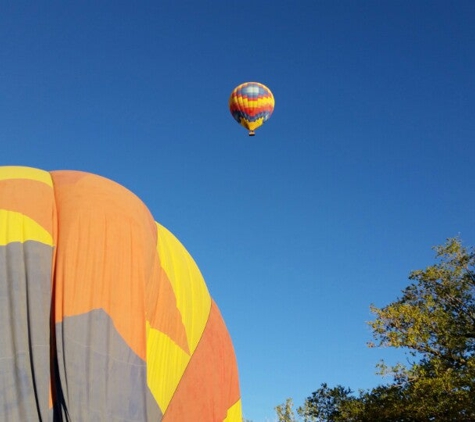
(367,162)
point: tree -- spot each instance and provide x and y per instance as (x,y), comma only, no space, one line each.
(285,411)
(434,321)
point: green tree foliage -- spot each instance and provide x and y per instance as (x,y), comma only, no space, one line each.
(434,322)
(285,411)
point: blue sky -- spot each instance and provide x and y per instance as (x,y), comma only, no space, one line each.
(366,163)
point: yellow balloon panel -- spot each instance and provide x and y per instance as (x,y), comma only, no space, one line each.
(193,299)
(13,172)
(166,363)
(16,227)
(234,412)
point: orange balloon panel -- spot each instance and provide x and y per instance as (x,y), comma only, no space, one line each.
(103,313)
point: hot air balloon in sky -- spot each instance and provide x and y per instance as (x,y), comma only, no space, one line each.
(251,104)
(104,315)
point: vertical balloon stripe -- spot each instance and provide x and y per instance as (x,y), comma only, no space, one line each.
(162,311)
(166,358)
(26,253)
(25,298)
(105,254)
(193,299)
(210,380)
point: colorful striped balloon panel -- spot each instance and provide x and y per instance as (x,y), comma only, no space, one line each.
(104,315)
(251,104)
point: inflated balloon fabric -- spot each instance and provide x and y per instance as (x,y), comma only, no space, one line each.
(251,104)
(104,316)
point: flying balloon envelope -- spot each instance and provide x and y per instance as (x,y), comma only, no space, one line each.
(251,104)
(104,315)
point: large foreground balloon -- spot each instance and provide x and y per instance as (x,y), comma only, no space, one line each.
(104,316)
(251,104)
